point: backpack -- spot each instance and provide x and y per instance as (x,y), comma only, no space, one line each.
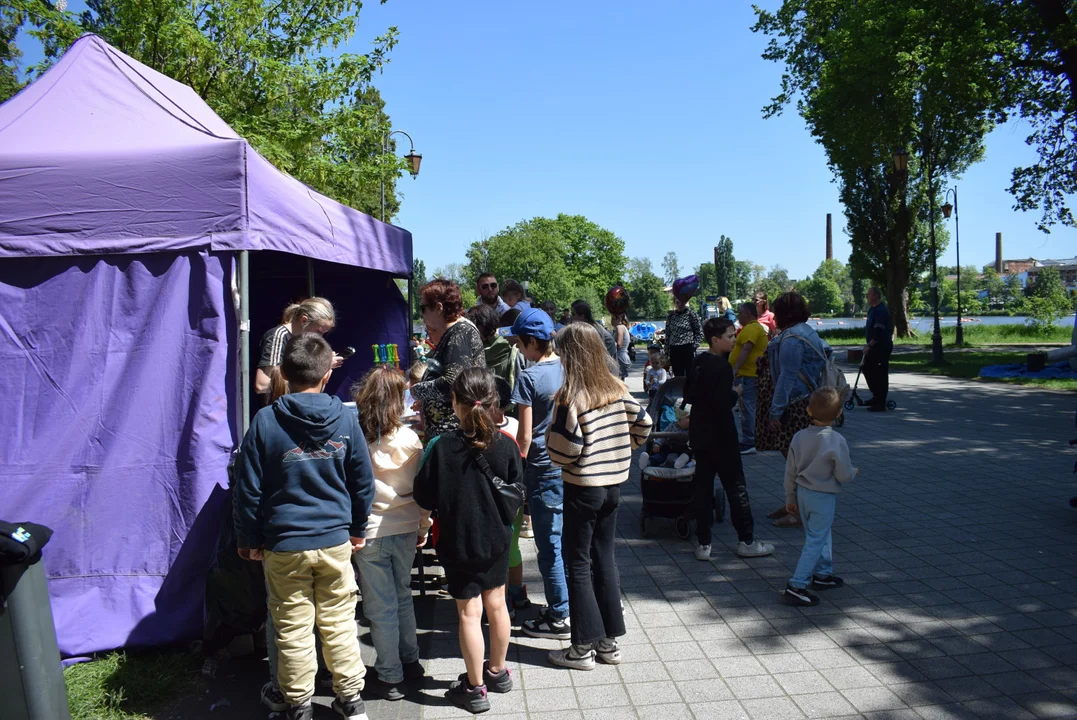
(831,375)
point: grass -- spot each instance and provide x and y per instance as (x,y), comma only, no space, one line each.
(975,336)
(121,686)
(968,364)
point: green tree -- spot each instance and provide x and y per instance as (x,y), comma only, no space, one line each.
(1012,292)
(872,76)
(993,287)
(1049,286)
(418,279)
(670,267)
(649,298)
(724,265)
(267,68)
(823,295)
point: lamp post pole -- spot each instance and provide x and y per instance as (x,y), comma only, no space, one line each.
(414,159)
(946,209)
(936,337)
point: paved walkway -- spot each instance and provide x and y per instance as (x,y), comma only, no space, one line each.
(958,549)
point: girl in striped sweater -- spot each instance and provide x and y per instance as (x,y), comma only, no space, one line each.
(596,426)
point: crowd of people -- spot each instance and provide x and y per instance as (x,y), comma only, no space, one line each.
(510,395)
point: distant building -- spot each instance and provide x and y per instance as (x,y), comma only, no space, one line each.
(1067,268)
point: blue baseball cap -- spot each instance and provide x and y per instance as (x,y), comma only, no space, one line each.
(535,323)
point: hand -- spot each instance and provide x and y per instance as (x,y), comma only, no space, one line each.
(421,541)
(867,349)
(739,389)
(337,361)
(792,508)
(244,553)
(258,554)
(357,543)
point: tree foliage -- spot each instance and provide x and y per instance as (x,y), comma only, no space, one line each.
(829,290)
(670,267)
(724,263)
(649,298)
(268,68)
(1049,286)
(876,75)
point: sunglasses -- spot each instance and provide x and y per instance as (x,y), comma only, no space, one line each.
(488,286)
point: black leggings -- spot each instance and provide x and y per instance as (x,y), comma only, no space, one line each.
(680,359)
(587,539)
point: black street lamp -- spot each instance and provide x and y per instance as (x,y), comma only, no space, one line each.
(946,210)
(414,160)
(901,165)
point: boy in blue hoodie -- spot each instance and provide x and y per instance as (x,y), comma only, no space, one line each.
(303,491)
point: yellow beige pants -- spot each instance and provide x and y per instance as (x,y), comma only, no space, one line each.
(308,588)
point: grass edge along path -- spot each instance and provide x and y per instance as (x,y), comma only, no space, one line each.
(967,365)
(975,335)
(129,686)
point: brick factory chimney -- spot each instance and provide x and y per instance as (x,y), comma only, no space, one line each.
(829,238)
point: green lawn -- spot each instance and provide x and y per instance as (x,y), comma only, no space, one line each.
(968,364)
(975,336)
(121,686)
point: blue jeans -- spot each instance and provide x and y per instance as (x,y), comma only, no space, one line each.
(817,514)
(385,578)
(546,501)
(747,409)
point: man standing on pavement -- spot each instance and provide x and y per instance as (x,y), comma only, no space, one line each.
(486,287)
(750,345)
(880,335)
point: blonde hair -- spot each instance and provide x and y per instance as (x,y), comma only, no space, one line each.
(588,382)
(379,396)
(724,304)
(825,404)
(315,309)
(416,372)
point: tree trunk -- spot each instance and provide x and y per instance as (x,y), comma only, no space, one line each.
(897,296)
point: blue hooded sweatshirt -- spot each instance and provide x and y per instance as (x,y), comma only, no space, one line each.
(303,476)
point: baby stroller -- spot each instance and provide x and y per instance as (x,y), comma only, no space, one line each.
(668,492)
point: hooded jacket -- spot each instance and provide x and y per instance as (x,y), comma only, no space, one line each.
(303,476)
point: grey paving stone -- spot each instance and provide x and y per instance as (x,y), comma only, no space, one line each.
(781,708)
(919,694)
(721,710)
(872,699)
(603,696)
(652,693)
(753,687)
(844,678)
(824,705)
(999,707)
(1047,704)
(698,691)
(643,672)
(551,699)
(738,666)
(803,683)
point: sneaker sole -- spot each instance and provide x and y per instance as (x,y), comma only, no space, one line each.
(463,705)
(793,600)
(755,555)
(570,665)
(609,659)
(748,452)
(539,635)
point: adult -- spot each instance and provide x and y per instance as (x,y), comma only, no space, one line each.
(879,329)
(581,312)
(459,347)
(623,339)
(684,333)
(513,294)
(486,288)
(499,353)
(788,373)
(725,309)
(750,345)
(311,315)
(765,316)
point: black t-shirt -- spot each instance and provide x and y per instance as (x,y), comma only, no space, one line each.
(272,347)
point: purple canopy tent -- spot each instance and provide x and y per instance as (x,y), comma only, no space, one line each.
(128,213)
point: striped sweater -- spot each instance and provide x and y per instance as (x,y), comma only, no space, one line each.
(594,447)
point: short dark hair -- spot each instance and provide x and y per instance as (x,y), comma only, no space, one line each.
(484,275)
(790,309)
(307,358)
(875,291)
(716,327)
(541,345)
(511,287)
(509,317)
(583,309)
(749,309)
(485,319)
(549,307)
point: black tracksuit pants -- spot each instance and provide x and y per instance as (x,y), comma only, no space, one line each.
(723,459)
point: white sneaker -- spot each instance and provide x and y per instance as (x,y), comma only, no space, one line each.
(572,657)
(644,460)
(703,552)
(608,652)
(758,548)
(681,461)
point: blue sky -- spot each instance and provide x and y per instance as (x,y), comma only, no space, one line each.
(646,119)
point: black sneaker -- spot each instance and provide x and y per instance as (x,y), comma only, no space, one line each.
(798,596)
(826,582)
(876,408)
(548,627)
(414,671)
(324,678)
(354,709)
(300,712)
(386,691)
(472,699)
(500,683)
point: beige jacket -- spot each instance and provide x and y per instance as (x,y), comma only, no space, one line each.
(396,459)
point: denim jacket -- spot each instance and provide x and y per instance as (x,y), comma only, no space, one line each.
(791,361)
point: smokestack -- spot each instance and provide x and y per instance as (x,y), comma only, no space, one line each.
(998,253)
(829,238)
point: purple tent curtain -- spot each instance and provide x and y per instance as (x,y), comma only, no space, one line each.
(119,377)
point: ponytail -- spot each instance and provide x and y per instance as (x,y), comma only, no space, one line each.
(316,309)
(289,314)
(474,388)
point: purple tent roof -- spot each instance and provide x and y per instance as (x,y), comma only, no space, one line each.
(102,155)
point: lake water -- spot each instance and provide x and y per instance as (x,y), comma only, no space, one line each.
(920,324)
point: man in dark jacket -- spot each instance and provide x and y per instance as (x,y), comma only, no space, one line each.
(879,330)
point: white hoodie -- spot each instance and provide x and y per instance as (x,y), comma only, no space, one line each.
(396,459)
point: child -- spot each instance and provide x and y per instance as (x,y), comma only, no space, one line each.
(668,451)
(713,436)
(473,542)
(815,469)
(396,523)
(534,399)
(596,425)
(655,374)
(302,499)
(750,346)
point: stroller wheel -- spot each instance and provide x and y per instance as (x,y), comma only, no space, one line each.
(719,505)
(849,404)
(642,524)
(891,405)
(683,528)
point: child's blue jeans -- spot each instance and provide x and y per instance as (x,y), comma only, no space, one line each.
(817,514)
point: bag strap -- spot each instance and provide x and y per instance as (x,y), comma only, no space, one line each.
(495,494)
(485,467)
(820,353)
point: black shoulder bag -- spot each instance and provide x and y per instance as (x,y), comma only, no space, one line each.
(509,497)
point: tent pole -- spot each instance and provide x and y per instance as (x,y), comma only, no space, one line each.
(411,317)
(244,341)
